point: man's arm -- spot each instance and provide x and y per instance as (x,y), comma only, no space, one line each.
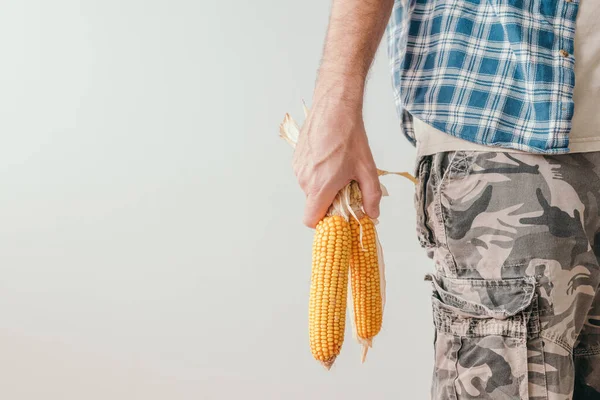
(333,148)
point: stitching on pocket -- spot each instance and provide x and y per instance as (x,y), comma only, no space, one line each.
(513,289)
(460,163)
(587,351)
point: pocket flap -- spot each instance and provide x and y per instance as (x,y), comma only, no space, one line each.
(484,298)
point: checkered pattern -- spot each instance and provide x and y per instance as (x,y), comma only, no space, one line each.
(494,72)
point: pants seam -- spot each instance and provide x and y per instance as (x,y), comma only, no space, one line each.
(559,341)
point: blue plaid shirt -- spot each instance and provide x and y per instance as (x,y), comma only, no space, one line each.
(494,72)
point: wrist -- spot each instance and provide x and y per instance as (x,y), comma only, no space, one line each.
(346,88)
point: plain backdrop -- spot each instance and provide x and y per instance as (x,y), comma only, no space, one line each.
(151,244)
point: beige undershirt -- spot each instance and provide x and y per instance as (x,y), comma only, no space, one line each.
(585,130)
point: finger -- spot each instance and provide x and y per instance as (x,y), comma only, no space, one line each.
(316,207)
(371,194)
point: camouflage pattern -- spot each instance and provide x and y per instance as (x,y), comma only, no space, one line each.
(515,240)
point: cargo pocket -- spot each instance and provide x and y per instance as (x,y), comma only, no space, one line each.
(482,328)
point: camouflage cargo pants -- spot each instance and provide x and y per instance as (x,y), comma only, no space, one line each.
(515,240)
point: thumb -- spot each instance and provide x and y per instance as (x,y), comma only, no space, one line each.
(371,193)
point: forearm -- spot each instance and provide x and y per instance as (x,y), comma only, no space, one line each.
(355,30)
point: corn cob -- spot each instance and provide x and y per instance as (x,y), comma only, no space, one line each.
(366,282)
(328,290)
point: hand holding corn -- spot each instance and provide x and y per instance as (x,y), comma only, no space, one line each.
(345,243)
(333,150)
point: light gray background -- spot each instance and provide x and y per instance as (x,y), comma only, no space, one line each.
(151,244)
